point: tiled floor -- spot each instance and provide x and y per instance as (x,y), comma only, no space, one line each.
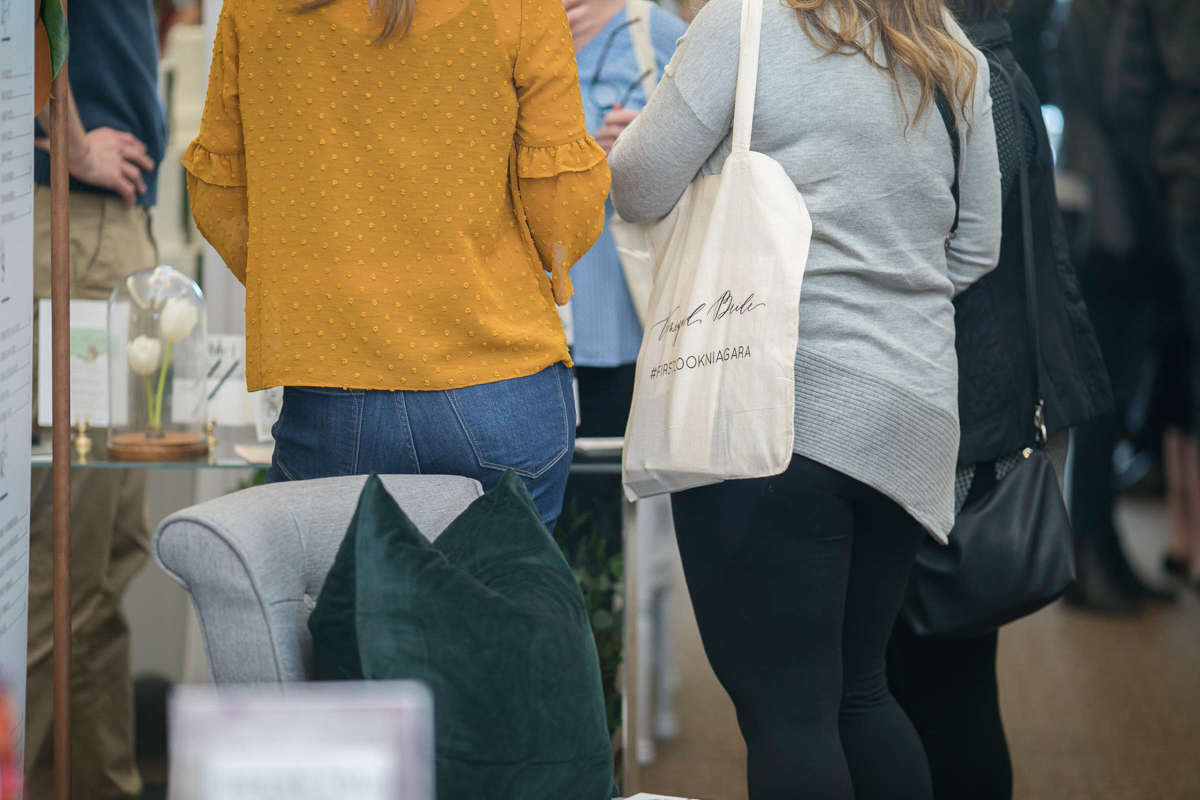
(1095,707)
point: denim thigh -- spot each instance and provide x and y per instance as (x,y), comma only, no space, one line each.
(317,434)
(524,424)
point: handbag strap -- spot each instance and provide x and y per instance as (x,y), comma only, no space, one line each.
(638,12)
(948,118)
(1031,296)
(747,76)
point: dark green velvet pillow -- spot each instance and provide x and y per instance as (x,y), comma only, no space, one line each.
(492,620)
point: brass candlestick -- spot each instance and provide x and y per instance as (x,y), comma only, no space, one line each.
(212,436)
(83,442)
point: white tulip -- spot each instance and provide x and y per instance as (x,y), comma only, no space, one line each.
(178,318)
(143,353)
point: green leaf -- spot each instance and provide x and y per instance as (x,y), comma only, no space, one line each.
(54,16)
(613,707)
(601,620)
(258,479)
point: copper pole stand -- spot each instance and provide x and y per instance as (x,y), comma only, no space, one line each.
(60,298)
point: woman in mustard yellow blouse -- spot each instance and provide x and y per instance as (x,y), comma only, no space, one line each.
(402,189)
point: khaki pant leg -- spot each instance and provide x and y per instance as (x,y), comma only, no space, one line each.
(110,541)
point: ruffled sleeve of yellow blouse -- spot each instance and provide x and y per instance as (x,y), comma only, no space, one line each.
(562,174)
(216,160)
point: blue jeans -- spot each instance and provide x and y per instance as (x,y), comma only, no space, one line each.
(480,432)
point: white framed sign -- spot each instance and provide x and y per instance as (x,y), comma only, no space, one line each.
(228,401)
(89,363)
(16,344)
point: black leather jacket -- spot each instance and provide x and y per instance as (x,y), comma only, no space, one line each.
(1133,71)
(995,363)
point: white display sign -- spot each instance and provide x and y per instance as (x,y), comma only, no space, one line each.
(89,363)
(303,741)
(228,401)
(16,345)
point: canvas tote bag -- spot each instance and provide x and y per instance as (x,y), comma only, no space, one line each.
(713,393)
(630,237)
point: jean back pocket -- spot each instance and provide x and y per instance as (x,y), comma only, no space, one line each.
(523,424)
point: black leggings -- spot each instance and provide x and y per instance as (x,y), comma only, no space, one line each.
(948,687)
(605,394)
(796,581)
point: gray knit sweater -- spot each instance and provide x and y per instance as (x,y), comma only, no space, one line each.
(876,374)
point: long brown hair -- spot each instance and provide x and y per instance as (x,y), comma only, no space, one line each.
(395,16)
(912,34)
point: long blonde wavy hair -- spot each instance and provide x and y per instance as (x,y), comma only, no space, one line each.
(910,33)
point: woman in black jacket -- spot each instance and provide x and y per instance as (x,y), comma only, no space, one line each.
(948,687)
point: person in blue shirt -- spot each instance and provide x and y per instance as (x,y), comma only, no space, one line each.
(608,334)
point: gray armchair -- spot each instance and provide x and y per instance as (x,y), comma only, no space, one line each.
(253,563)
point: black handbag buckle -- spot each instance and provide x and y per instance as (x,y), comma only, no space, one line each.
(1039,422)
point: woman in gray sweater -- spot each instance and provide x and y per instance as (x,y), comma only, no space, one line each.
(797,579)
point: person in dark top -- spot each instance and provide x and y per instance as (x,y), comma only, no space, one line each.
(118,126)
(1029,20)
(117,133)
(948,687)
(1133,79)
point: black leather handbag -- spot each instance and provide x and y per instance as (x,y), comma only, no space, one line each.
(1011,551)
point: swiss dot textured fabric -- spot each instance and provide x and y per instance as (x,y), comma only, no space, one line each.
(403,212)
(1007,144)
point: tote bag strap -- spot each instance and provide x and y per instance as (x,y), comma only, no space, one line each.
(643,44)
(747,77)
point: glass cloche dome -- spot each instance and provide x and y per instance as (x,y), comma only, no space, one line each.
(157,367)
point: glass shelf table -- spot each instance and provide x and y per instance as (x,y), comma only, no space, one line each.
(591,456)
